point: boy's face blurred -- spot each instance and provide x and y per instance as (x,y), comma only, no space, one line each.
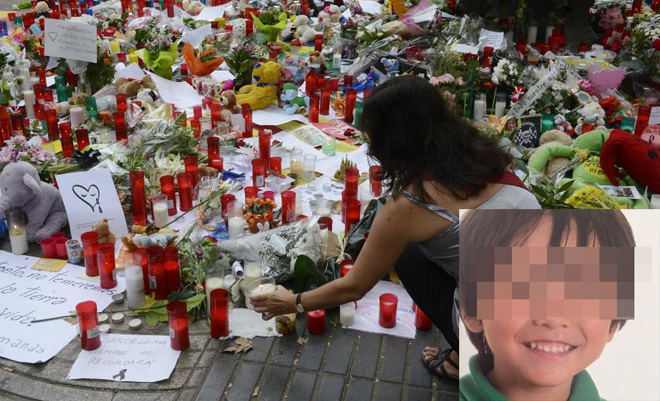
(545,352)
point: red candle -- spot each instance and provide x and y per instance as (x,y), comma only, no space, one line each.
(352,175)
(139,198)
(48,250)
(387,313)
(196,125)
(88,323)
(325,100)
(219,313)
(352,214)
(140,256)
(288,207)
(325,223)
(276,164)
(176,314)
(264,145)
(345,197)
(191,168)
(65,129)
(185,191)
(213,145)
(105,260)
(318,42)
(184,69)
(348,80)
(422,322)
(197,111)
(247,116)
(655,6)
(51,125)
(122,102)
(120,126)
(305,7)
(346,266)
(637,6)
(584,47)
(316,321)
(554,43)
(351,99)
(167,188)
(90,243)
(217,163)
(216,114)
(225,200)
(314,109)
(258,173)
(310,82)
(18,124)
(251,192)
(249,27)
(157,282)
(643,116)
(172,275)
(376,180)
(60,247)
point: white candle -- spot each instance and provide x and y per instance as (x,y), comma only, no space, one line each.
(336,61)
(77,116)
(500,108)
(532,31)
(347,314)
(252,272)
(160,214)
(260,289)
(18,240)
(212,283)
(134,286)
(28,96)
(235,225)
(480,107)
(548,32)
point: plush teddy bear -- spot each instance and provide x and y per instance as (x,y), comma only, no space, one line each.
(303,31)
(193,7)
(592,117)
(263,91)
(41,202)
(131,87)
(639,159)
(554,153)
(316,58)
(292,102)
(229,104)
(563,125)
(102,228)
(77,99)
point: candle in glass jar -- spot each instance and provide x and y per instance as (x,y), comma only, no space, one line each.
(316,321)
(134,280)
(210,284)
(30,100)
(171,265)
(247,116)
(178,321)
(219,313)
(258,173)
(138,197)
(82,139)
(17,232)
(90,242)
(422,322)
(296,164)
(105,260)
(347,314)
(351,100)
(346,266)
(167,188)
(387,312)
(351,179)
(185,191)
(258,287)
(288,207)
(157,281)
(190,163)
(235,226)
(77,114)
(159,210)
(88,324)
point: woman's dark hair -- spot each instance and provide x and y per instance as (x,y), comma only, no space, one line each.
(483,228)
(413,131)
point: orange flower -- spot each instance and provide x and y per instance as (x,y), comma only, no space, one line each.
(195,65)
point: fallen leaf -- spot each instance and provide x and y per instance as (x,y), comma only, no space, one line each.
(130,314)
(241,345)
(255,392)
(71,320)
(302,341)
(269,329)
(8,369)
(334,323)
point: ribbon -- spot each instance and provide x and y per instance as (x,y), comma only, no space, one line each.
(120,375)
(87,159)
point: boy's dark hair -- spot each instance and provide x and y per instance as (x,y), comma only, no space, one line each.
(413,132)
(483,228)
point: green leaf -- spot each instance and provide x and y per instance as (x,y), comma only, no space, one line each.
(195,301)
(151,319)
(306,275)
(181,296)
(567,185)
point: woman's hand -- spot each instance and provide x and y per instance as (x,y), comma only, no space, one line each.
(279,302)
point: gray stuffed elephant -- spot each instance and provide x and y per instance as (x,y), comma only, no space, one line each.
(41,202)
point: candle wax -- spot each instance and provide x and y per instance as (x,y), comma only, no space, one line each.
(19,244)
(160,214)
(347,314)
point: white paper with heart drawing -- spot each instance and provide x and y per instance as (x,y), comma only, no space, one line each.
(90,197)
(70,40)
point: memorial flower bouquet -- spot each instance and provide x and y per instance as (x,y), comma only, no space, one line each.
(640,44)
(507,73)
(18,148)
(204,60)
(270,23)
(159,55)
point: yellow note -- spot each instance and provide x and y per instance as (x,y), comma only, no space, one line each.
(343,147)
(49,265)
(55,147)
(291,125)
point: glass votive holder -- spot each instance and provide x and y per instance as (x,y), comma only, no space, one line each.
(160,210)
(171,265)
(60,247)
(346,266)
(387,312)
(422,322)
(251,192)
(219,313)
(260,286)
(58,234)
(105,260)
(88,324)
(347,314)
(178,320)
(90,243)
(48,248)
(329,146)
(258,172)
(316,321)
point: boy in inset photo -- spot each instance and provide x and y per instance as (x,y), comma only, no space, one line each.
(542,293)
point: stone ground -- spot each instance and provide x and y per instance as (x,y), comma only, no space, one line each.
(340,364)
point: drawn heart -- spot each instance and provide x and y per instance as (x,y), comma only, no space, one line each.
(89,195)
(52,35)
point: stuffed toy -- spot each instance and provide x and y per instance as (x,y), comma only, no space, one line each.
(563,125)
(263,91)
(293,102)
(102,228)
(41,202)
(554,153)
(328,16)
(41,8)
(303,31)
(316,58)
(592,117)
(193,7)
(639,159)
(78,99)
(142,237)
(391,65)
(229,104)
(131,87)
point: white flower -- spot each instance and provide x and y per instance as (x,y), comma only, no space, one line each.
(309,245)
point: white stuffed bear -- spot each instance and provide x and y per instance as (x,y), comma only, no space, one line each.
(327,16)
(592,117)
(193,7)
(304,32)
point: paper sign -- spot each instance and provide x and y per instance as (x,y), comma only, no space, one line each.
(495,39)
(90,197)
(310,135)
(195,37)
(535,92)
(127,358)
(211,13)
(50,265)
(654,118)
(628,192)
(371,7)
(27,295)
(181,94)
(71,40)
(273,115)
(461,48)
(132,71)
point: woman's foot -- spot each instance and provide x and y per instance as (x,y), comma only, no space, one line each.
(442,363)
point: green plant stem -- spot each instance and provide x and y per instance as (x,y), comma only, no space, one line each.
(98,313)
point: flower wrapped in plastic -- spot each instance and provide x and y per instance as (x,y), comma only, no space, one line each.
(270,26)
(201,62)
(160,58)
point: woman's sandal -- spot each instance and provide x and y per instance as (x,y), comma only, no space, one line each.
(433,362)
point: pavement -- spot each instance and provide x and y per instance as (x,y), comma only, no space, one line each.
(340,364)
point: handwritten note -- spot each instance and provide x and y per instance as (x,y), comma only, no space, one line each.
(27,295)
(70,40)
(127,358)
(495,39)
(655,116)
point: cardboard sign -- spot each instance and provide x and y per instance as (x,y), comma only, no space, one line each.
(90,197)
(127,358)
(71,40)
(529,132)
(27,295)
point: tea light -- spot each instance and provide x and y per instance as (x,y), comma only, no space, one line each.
(104,318)
(118,298)
(134,324)
(258,287)
(104,328)
(117,318)
(347,314)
